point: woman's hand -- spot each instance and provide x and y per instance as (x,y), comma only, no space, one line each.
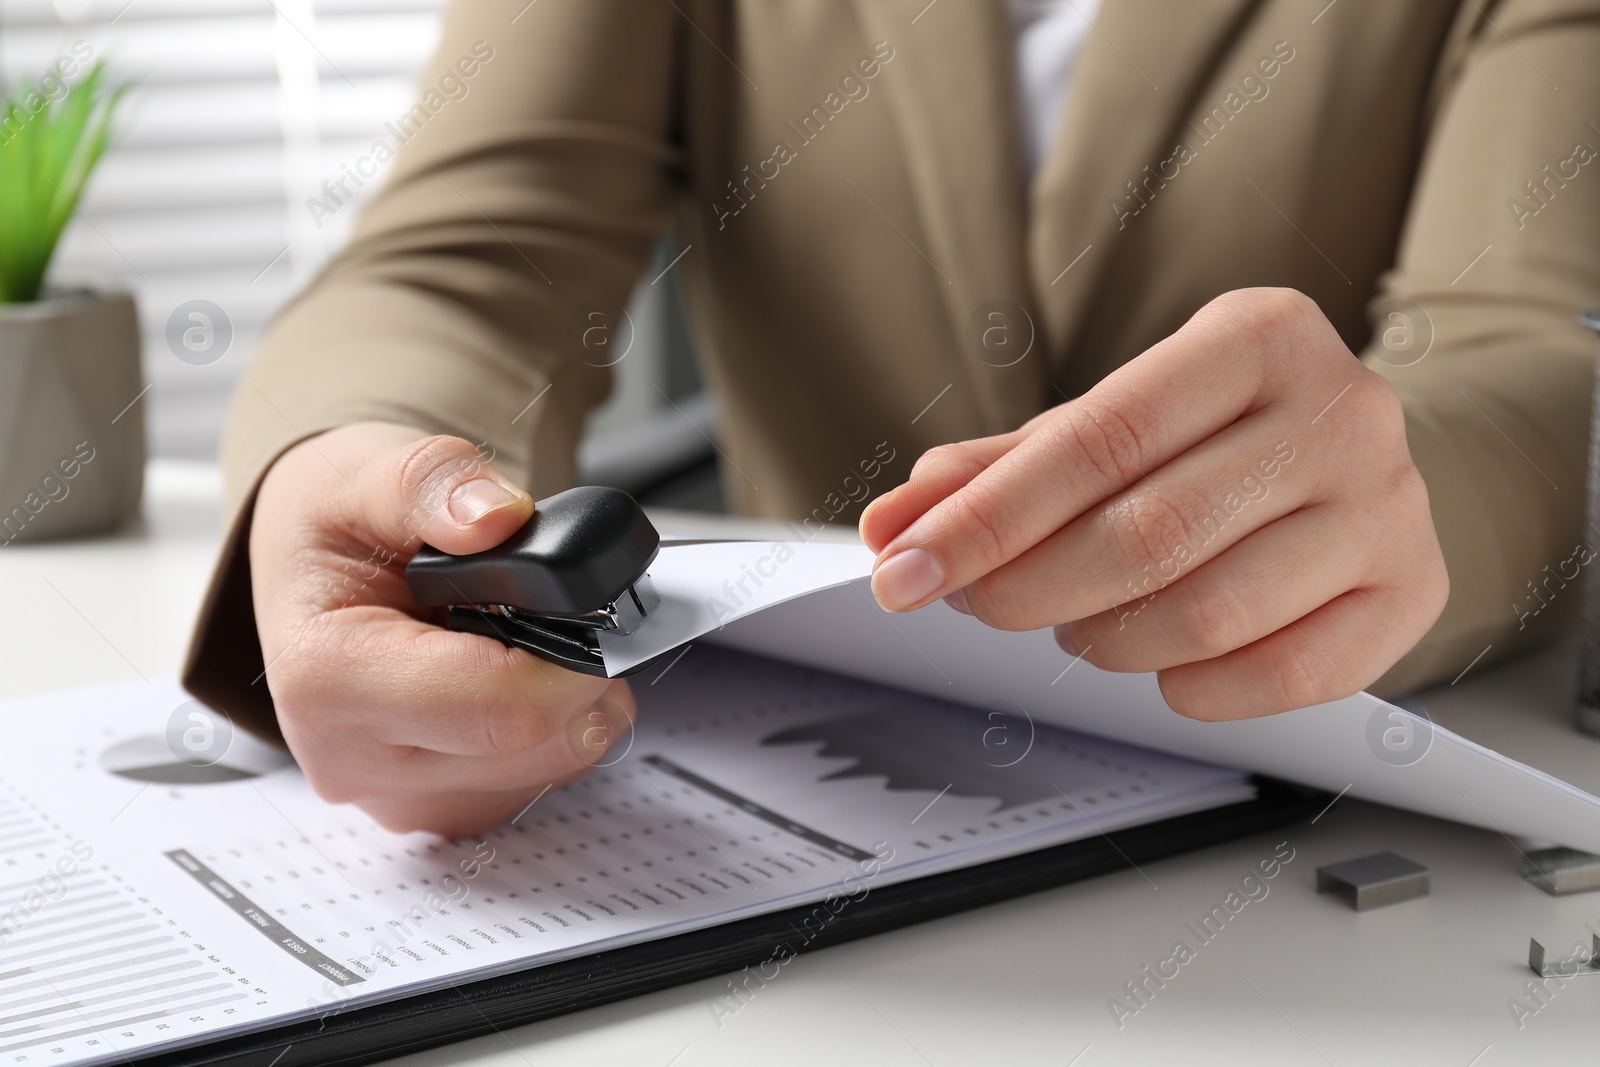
(423,728)
(1235,509)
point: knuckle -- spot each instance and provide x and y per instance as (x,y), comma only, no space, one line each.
(1371,434)
(1413,581)
(1437,595)
(306,682)
(293,690)
(1381,408)
(1393,474)
(1272,313)
(954,458)
(332,784)
(428,468)
(1149,526)
(402,822)
(973,518)
(510,731)
(410,816)
(1410,493)
(1213,619)
(1301,677)
(492,719)
(1184,697)
(332,648)
(996,603)
(1107,437)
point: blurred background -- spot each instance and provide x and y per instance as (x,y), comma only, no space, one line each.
(240,111)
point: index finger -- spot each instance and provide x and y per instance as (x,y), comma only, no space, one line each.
(1138,418)
(400,681)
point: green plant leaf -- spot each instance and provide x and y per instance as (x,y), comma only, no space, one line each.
(49,148)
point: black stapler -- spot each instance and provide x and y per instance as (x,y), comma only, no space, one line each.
(577,569)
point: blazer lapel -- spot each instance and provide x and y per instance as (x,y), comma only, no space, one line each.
(950,87)
(1137,78)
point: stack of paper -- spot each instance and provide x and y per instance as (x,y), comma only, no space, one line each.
(810,603)
(149,901)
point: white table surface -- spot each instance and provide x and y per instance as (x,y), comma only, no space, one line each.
(1294,978)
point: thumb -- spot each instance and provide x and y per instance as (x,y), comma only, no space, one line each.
(443,492)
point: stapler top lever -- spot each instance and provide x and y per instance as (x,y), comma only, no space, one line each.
(577,569)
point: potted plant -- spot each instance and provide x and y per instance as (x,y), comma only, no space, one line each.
(71,450)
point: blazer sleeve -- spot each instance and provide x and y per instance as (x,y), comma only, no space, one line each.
(1500,254)
(532,179)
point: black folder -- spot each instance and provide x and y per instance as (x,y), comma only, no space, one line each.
(470,1009)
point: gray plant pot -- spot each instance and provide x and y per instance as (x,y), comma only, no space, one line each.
(71,448)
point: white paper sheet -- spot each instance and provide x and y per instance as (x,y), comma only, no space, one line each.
(135,889)
(816,609)
(705,585)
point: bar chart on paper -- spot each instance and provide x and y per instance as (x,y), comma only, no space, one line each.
(148,904)
(54,973)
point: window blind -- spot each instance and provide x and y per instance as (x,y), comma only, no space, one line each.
(240,110)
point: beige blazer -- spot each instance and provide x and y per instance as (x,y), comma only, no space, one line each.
(869,272)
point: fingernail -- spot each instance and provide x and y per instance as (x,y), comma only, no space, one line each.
(471,501)
(906,578)
(958,600)
(1068,643)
